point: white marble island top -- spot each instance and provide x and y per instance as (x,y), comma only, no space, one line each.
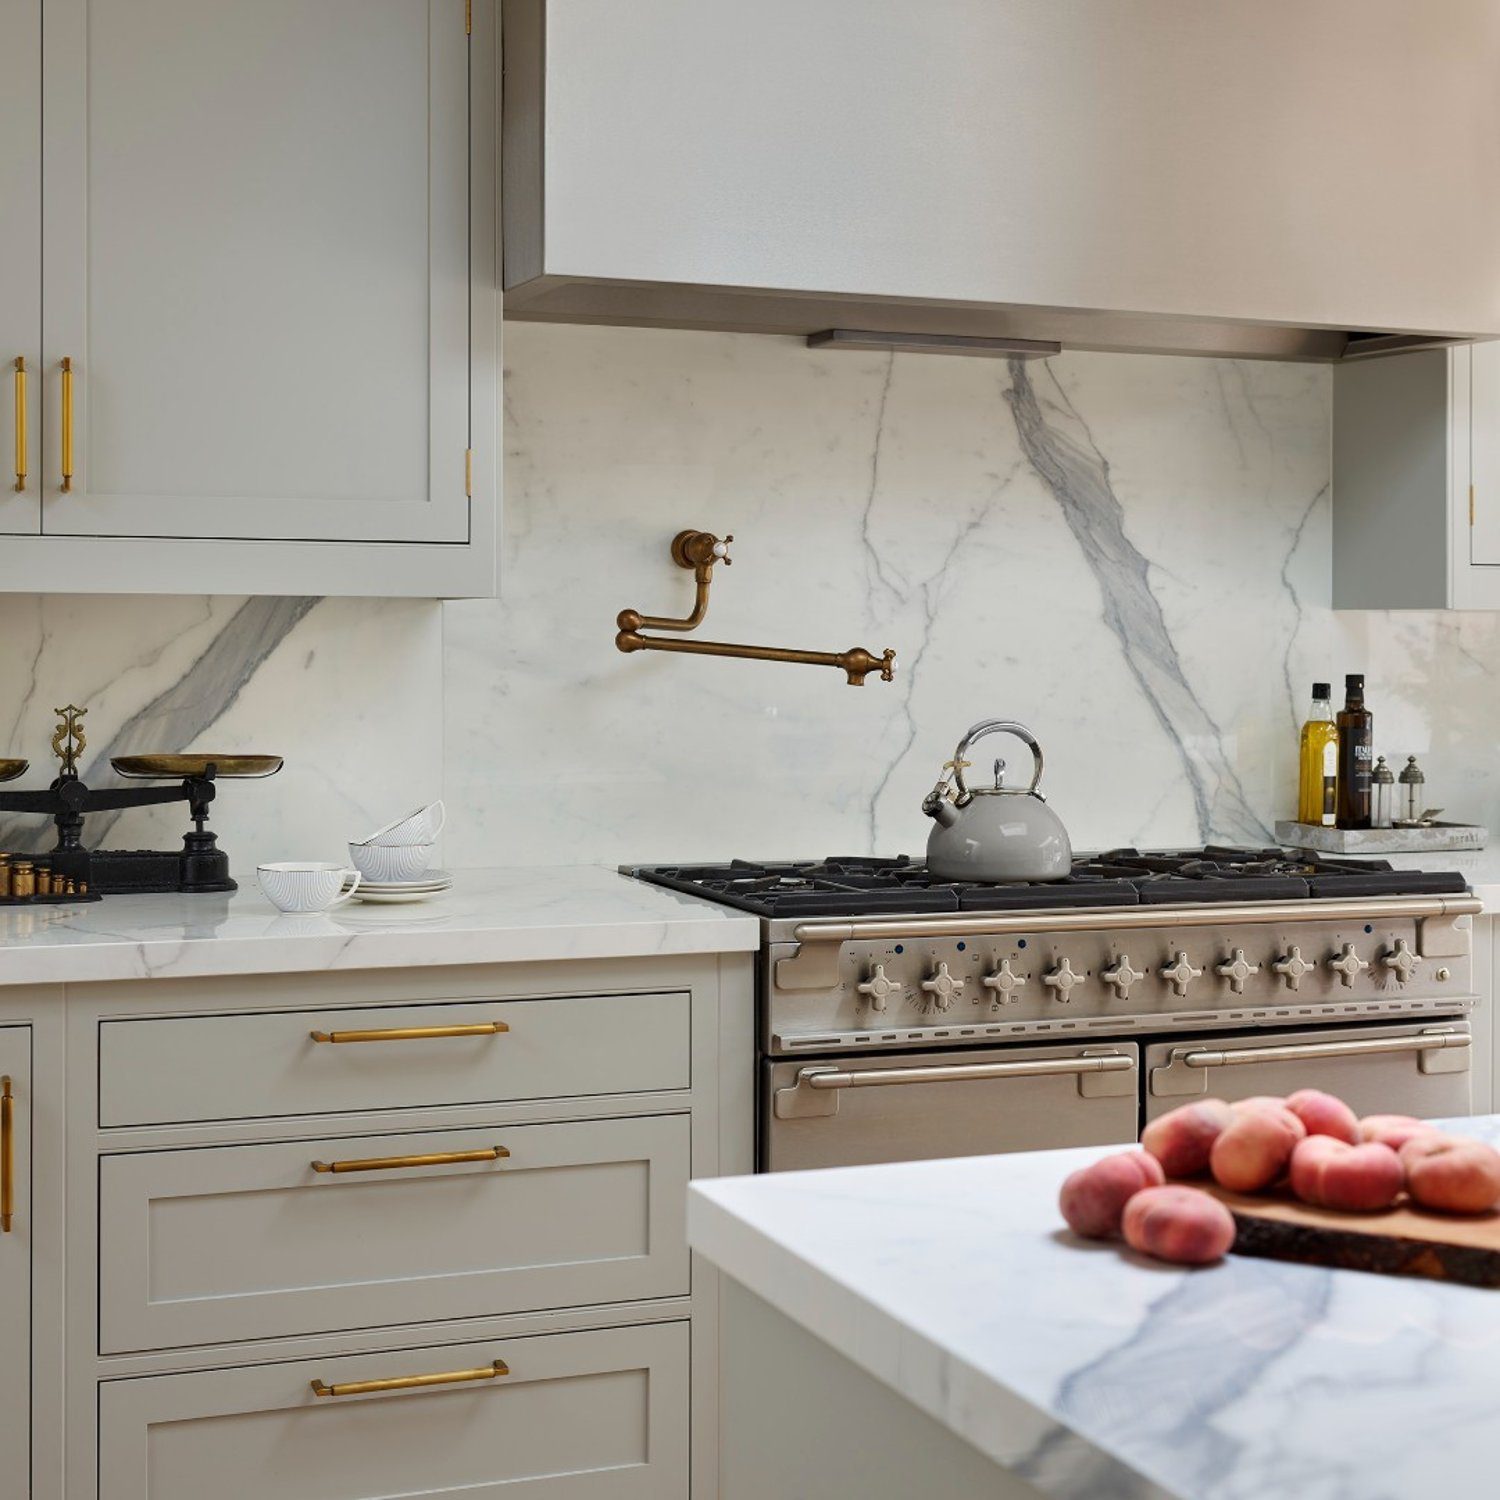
(1093,1373)
(515,915)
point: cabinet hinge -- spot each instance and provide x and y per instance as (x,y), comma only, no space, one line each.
(468,17)
(469,472)
(1471,505)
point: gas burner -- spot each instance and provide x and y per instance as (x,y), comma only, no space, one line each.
(860,885)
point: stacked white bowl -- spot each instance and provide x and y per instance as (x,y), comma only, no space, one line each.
(401,850)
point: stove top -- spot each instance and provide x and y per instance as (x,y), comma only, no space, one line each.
(864,886)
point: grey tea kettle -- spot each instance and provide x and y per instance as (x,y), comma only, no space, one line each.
(994,833)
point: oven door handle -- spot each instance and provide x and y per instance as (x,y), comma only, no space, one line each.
(797,1103)
(1187,1066)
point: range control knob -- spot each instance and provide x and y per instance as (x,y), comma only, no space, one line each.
(1061,981)
(1347,965)
(878,988)
(1120,976)
(1401,961)
(1236,969)
(1292,966)
(1180,973)
(1004,983)
(943,987)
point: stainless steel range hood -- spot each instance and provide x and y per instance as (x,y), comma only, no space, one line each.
(1283,179)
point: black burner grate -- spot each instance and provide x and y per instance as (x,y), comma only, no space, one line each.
(857,885)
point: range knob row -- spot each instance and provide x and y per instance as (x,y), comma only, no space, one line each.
(1005,985)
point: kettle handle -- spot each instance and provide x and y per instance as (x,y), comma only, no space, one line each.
(996,726)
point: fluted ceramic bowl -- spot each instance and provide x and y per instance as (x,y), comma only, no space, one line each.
(384,863)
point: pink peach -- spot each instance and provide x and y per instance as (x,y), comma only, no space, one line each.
(1455,1175)
(1323,1114)
(1334,1174)
(1182,1139)
(1180,1224)
(1394,1130)
(1258,1101)
(1253,1150)
(1093,1198)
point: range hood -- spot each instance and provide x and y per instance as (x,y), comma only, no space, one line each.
(1281,179)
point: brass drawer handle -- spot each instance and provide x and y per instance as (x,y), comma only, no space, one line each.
(411,1382)
(20,424)
(7,1154)
(411,1033)
(387,1163)
(67,426)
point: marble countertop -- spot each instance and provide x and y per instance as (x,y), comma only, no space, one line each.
(1093,1372)
(490,916)
(1480,867)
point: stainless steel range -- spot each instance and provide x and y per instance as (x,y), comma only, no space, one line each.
(903,1017)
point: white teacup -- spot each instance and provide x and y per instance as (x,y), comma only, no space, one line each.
(296,886)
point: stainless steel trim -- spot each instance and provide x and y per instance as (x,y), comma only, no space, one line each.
(933,343)
(810,967)
(1426,1042)
(832,1078)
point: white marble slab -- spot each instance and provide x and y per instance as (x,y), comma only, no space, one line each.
(490,916)
(1094,1373)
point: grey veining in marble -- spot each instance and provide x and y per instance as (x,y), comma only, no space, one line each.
(1096,1373)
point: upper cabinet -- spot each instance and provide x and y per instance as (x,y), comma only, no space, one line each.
(1121,174)
(259,312)
(1416,481)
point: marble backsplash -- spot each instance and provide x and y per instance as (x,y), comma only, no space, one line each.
(1130,554)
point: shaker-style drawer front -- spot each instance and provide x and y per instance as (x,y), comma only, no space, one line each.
(241,1242)
(182,1069)
(574,1416)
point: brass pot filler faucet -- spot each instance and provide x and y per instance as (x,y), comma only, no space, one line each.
(700,550)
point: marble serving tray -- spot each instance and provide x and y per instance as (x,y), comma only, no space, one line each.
(1438,837)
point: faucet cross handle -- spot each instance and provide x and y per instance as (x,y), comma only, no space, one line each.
(68,739)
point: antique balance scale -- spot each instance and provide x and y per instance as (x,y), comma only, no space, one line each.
(70,872)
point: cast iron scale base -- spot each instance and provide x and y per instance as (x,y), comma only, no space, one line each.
(200,866)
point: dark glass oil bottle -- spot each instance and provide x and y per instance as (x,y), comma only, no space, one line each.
(1356,754)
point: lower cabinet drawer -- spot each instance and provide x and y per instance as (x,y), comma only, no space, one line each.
(223,1243)
(579,1416)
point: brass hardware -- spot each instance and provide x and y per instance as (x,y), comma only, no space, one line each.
(68,739)
(12,766)
(1444,974)
(390,1163)
(67,426)
(469,472)
(412,1033)
(468,17)
(7,1154)
(411,1382)
(170,767)
(20,424)
(699,551)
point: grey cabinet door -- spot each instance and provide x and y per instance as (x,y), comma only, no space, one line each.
(15,1262)
(256,240)
(20,260)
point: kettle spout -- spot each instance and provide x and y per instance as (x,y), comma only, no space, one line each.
(939,808)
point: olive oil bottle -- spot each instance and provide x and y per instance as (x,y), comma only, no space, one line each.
(1356,728)
(1318,762)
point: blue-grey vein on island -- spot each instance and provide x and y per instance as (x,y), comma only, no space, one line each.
(1059,446)
(180,713)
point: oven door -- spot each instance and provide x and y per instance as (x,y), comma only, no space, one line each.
(1420,1069)
(843,1111)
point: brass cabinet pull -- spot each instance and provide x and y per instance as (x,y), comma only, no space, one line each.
(386,1163)
(67,426)
(411,1033)
(411,1382)
(20,424)
(7,1154)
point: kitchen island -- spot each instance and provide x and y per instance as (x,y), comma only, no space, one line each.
(932,1329)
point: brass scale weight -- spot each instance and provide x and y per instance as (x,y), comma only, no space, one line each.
(699,551)
(199,866)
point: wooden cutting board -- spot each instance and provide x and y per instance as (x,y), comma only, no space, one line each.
(1404,1241)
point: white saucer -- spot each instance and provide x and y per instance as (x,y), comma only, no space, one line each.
(395,898)
(433,880)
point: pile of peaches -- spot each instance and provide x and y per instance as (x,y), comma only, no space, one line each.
(1309,1141)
